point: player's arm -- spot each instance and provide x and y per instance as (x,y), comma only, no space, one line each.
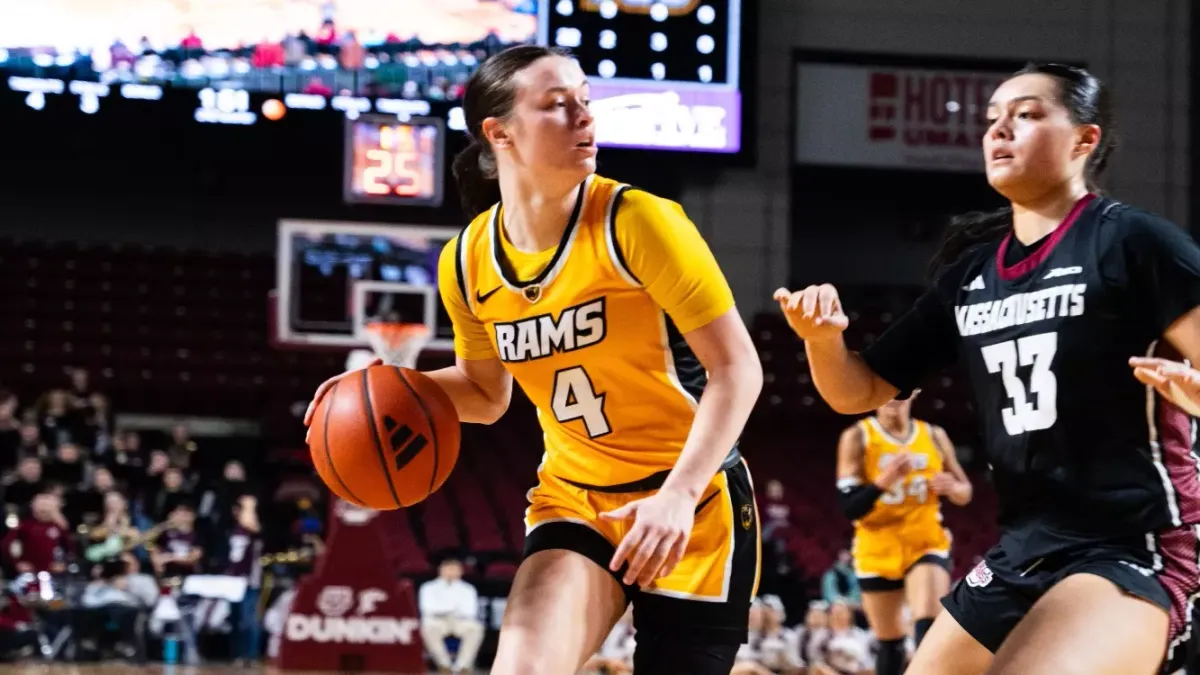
(665,253)
(1161,264)
(478,382)
(856,497)
(955,486)
(922,341)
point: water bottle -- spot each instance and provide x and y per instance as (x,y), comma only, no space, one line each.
(170,647)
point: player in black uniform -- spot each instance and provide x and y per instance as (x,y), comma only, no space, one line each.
(1046,302)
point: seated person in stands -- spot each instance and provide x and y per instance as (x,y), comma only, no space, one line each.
(176,551)
(18,640)
(616,654)
(848,649)
(449,606)
(41,542)
(115,599)
(24,485)
(771,648)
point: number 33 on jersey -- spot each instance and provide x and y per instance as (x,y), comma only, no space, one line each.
(592,329)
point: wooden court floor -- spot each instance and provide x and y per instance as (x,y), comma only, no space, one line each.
(35,668)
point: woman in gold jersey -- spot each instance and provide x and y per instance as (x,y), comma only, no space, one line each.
(608,309)
(891,471)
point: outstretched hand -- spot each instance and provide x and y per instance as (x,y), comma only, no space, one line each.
(814,313)
(659,536)
(1177,382)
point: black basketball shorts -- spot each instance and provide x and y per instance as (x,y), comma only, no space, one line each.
(1162,568)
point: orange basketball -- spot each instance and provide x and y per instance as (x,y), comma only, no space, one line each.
(384,437)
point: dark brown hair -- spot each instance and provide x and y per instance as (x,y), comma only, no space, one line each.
(490,93)
(1087,102)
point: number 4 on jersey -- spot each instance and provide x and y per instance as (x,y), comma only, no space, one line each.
(1037,351)
(575,399)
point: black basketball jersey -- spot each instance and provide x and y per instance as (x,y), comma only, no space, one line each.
(1080,450)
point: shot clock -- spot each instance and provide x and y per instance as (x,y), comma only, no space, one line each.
(394,161)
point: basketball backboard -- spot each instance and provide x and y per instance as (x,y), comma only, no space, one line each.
(333,278)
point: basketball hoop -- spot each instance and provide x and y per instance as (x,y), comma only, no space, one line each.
(398,344)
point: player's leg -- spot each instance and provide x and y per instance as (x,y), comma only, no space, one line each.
(695,619)
(925,585)
(981,610)
(883,603)
(1086,625)
(948,649)
(561,607)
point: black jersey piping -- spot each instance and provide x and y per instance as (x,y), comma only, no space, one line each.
(497,233)
(612,232)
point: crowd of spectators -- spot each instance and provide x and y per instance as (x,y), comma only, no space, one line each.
(324,59)
(102,524)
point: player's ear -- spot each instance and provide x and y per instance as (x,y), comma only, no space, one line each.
(496,133)
(1087,138)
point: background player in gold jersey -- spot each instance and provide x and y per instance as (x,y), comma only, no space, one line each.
(608,308)
(891,470)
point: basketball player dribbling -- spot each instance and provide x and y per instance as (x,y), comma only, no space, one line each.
(1046,301)
(892,469)
(607,307)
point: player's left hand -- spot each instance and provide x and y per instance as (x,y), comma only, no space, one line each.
(659,536)
(1176,381)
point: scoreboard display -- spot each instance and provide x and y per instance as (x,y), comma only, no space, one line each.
(664,73)
(393,162)
(664,76)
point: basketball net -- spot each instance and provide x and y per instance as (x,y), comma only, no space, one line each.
(398,344)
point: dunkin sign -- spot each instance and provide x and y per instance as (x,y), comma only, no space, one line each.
(889,117)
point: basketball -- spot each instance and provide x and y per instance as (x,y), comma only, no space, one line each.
(384,437)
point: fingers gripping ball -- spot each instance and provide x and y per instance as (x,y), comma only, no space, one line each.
(384,437)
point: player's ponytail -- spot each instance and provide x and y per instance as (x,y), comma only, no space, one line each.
(475,173)
(968,230)
(490,93)
(1087,102)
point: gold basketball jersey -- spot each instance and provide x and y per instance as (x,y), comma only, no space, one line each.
(911,502)
(592,329)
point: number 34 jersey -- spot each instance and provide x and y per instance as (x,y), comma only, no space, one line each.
(592,329)
(1080,450)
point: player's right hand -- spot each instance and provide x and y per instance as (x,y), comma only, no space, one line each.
(323,389)
(814,313)
(900,466)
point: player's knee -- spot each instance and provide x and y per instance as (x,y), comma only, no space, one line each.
(889,660)
(920,628)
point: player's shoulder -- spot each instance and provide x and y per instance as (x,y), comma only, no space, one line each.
(1121,224)
(638,205)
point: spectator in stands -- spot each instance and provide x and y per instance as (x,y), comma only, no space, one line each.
(244,560)
(172,493)
(31,444)
(67,468)
(116,598)
(771,647)
(840,582)
(815,632)
(182,447)
(616,653)
(775,511)
(848,649)
(86,506)
(98,423)
(449,607)
(80,390)
(10,432)
(41,542)
(176,552)
(21,488)
(56,418)
(351,54)
(18,640)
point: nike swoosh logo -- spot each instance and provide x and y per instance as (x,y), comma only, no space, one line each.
(483,298)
